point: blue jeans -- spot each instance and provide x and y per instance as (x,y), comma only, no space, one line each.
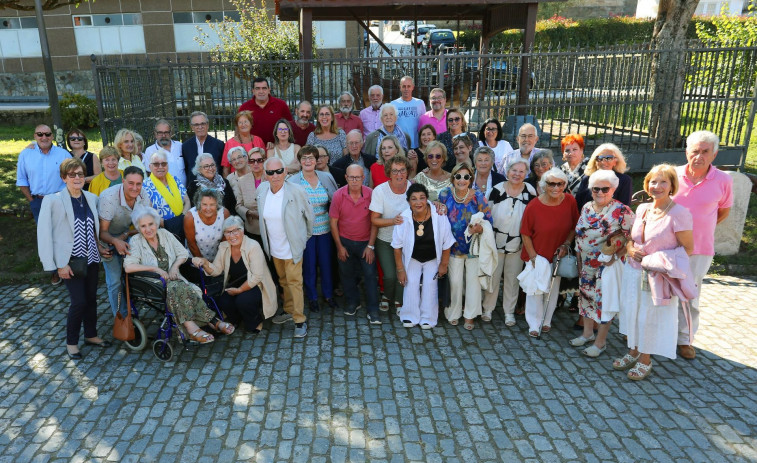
(35,206)
(113,270)
(350,271)
(318,254)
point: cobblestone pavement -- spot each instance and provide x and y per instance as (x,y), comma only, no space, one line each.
(356,392)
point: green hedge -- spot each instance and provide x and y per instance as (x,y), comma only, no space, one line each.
(567,32)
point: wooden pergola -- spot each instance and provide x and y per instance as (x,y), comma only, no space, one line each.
(495,15)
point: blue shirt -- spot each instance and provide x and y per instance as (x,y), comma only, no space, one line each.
(39,171)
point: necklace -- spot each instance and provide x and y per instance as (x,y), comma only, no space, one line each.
(460,200)
(80,200)
(657,213)
(421,223)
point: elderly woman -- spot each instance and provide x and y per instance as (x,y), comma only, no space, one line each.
(462,150)
(247,176)
(606,157)
(125,142)
(388,202)
(110,175)
(662,225)
(249,295)
(547,228)
(388,115)
(508,201)
(388,148)
(435,178)
(541,162)
(77,146)
(602,218)
(203,224)
(456,126)
(328,134)
(284,146)
(421,245)
(572,146)
(319,187)
(167,195)
(485,177)
(206,176)
(462,201)
(243,137)
(490,135)
(155,249)
(426,134)
(67,233)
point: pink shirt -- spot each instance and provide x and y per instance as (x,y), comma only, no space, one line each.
(354,122)
(371,120)
(354,217)
(660,234)
(232,143)
(440,125)
(703,201)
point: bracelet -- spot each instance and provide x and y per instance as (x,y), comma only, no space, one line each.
(370,246)
(400,270)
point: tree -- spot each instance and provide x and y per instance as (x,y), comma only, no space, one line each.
(669,70)
(28,5)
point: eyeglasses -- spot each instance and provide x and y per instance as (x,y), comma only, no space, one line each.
(434,156)
(166,133)
(198,124)
(454,119)
(43,134)
(354,178)
(603,189)
(398,171)
(527,136)
(307,157)
(233,231)
(605,157)
(76,174)
(283,129)
(555,184)
(463,177)
(256,161)
(159,164)
(211,166)
(75,138)
(491,129)
(238,158)
(353,143)
(437,98)
(274,172)
(543,165)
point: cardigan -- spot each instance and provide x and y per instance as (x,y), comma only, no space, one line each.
(140,251)
(297,215)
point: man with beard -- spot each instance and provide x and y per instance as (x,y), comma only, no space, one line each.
(437,117)
(409,110)
(163,133)
(371,116)
(302,126)
(344,118)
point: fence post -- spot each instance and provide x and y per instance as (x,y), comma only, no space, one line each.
(99,100)
(442,62)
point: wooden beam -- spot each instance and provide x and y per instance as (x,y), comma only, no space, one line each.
(370,32)
(528,42)
(306,52)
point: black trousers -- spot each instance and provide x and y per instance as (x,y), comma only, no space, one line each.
(246,306)
(83,309)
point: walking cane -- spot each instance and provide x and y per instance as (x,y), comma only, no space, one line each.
(555,264)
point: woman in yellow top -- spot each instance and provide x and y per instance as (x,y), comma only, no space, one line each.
(167,194)
(126,144)
(111,174)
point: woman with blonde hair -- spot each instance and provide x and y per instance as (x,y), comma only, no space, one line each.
(389,148)
(606,156)
(111,174)
(434,178)
(328,134)
(128,151)
(243,137)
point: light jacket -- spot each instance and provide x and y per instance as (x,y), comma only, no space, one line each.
(670,275)
(485,248)
(326,179)
(297,215)
(140,252)
(403,235)
(257,271)
(55,229)
(536,278)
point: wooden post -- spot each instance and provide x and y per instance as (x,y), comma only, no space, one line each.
(483,63)
(528,43)
(306,53)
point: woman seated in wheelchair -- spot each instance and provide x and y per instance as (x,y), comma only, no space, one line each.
(249,293)
(156,250)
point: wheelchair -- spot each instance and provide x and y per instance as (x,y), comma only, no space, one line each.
(148,289)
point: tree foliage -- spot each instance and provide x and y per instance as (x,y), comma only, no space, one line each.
(727,29)
(28,5)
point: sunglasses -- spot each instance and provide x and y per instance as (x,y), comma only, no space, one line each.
(555,184)
(75,138)
(603,189)
(43,134)
(256,161)
(76,174)
(275,172)
(606,157)
(434,156)
(454,119)
(159,164)
(463,177)
(491,129)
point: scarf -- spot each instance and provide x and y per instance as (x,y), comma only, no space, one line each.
(397,133)
(216,184)
(171,194)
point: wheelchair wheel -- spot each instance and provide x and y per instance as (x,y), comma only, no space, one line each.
(140,336)
(162,349)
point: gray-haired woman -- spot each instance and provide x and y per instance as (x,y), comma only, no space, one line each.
(207,176)
(156,250)
(167,194)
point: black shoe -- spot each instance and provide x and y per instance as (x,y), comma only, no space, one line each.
(332,304)
(314,307)
(102,344)
(351,310)
(76,356)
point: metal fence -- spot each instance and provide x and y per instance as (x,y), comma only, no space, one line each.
(604,94)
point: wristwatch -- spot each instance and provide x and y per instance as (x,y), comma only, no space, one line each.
(371,247)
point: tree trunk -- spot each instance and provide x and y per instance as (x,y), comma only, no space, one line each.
(669,70)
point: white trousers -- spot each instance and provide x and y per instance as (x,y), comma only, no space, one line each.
(700,265)
(463,281)
(536,305)
(508,268)
(420,304)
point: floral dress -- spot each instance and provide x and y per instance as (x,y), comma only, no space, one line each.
(459,215)
(592,231)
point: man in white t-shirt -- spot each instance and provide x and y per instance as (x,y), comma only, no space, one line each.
(409,110)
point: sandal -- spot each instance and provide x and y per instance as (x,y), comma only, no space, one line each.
(469,325)
(224,327)
(625,362)
(486,317)
(545,328)
(203,338)
(534,334)
(593,351)
(639,371)
(581,340)
(453,322)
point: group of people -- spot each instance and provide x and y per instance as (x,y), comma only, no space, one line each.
(434,219)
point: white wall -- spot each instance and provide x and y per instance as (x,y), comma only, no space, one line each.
(330,34)
(648,8)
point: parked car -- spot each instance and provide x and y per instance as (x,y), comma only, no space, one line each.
(422,30)
(403,26)
(375,23)
(501,75)
(409,30)
(434,41)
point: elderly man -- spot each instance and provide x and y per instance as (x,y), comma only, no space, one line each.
(38,173)
(163,141)
(388,127)
(302,125)
(286,223)
(344,118)
(200,143)
(707,193)
(527,139)
(114,208)
(355,156)
(355,237)
(371,116)
(266,110)
(437,116)
(409,110)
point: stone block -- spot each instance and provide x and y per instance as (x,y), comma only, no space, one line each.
(728,232)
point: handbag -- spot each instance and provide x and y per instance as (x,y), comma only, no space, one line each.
(123,328)
(78,265)
(568,266)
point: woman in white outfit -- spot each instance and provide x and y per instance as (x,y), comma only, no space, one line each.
(284,146)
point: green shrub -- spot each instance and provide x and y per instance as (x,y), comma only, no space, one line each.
(78,111)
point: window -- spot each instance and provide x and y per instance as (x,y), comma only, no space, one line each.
(109,34)
(190,24)
(19,38)
(18,23)
(102,20)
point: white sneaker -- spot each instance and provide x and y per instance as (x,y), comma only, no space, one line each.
(510,319)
